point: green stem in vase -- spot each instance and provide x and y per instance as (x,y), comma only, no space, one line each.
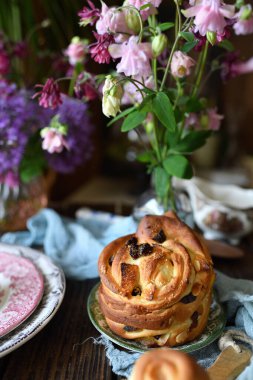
(179,23)
(201,70)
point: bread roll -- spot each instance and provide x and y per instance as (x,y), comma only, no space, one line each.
(156,285)
(167,364)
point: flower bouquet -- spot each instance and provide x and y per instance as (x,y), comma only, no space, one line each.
(162,68)
(34,139)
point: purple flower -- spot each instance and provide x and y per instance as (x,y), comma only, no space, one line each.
(4,63)
(228,66)
(89,15)
(99,50)
(20,118)
(74,114)
(85,88)
(49,96)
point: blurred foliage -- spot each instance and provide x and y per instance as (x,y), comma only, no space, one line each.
(46,26)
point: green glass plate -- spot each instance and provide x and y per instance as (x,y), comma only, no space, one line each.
(214,328)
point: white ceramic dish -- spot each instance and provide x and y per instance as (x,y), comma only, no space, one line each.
(54,289)
(220,211)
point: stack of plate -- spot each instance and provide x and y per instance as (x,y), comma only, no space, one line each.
(31,290)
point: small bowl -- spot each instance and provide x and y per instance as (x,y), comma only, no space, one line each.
(220,211)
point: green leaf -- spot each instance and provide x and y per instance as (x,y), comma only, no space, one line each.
(33,162)
(194,140)
(145,6)
(161,182)
(188,46)
(146,157)
(133,120)
(172,138)
(163,109)
(122,114)
(178,166)
(194,105)
(165,26)
(226,44)
(188,36)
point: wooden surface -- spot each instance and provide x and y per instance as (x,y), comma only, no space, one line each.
(64,349)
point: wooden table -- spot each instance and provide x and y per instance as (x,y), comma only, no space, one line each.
(64,349)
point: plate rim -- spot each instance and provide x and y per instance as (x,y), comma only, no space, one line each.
(120,342)
(35,256)
(38,271)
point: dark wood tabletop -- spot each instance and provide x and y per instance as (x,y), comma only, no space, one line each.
(65,350)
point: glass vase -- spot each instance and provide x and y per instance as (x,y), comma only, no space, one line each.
(148,204)
(19,203)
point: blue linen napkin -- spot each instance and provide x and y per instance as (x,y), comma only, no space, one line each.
(75,245)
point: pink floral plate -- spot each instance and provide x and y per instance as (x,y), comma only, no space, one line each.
(21,289)
(54,289)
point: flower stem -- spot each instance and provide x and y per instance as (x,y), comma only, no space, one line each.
(201,70)
(178,16)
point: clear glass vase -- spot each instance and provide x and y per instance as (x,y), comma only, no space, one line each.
(148,204)
(19,203)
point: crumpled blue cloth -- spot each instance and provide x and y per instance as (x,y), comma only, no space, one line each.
(76,245)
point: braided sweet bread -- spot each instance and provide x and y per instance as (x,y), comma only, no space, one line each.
(167,364)
(156,285)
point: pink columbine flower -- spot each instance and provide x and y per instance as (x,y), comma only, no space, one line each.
(192,121)
(4,63)
(210,15)
(214,119)
(53,140)
(244,25)
(112,21)
(99,50)
(76,51)
(135,57)
(232,66)
(50,95)
(242,67)
(146,12)
(181,64)
(89,15)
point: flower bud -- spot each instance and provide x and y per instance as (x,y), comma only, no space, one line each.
(159,43)
(211,37)
(133,21)
(112,94)
(246,12)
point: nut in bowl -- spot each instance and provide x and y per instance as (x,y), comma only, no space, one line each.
(156,284)
(220,211)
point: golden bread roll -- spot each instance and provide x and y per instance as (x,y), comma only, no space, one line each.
(167,364)
(156,285)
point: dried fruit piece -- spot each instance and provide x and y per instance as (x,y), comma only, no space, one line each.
(145,249)
(136,291)
(160,237)
(189,298)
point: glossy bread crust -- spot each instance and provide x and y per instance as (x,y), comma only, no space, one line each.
(164,363)
(156,285)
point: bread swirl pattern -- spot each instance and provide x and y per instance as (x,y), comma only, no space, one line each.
(164,364)
(156,285)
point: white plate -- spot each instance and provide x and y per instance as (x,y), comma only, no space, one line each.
(54,289)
